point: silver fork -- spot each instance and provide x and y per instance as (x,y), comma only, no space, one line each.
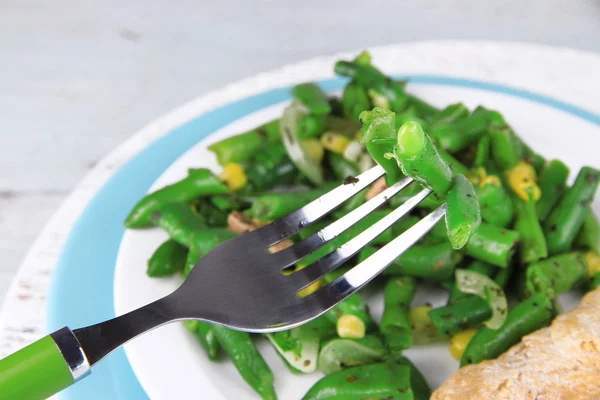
(240,284)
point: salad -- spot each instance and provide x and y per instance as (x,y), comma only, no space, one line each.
(514,233)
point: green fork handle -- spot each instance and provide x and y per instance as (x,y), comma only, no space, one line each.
(43,368)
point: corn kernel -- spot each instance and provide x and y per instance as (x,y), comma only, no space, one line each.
(521,179)
(593,263)
(310,289)
(490,180)
(313,148)
(335,142)
(234,176)
(460,341)
(476,175)
(350,326)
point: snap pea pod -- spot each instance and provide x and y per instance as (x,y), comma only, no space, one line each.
(382,381)
(557,274)
(313,98)
(419,159)
(199,182)
(341,167)
(526,317)
(418,383)
(179,221)
(207,338)
(476,266)
(567,216)
(355,100)
(395,323)
(241,147)
(379,137)
(270,166)
(507,148)
(450,114)
(374,80)
(482,152)
(533,243)
(588,237)
(493,245)
(454,137)
(311,126)
(339,353)
(202,242)
(271,206)
(167,259)
(463,215)
(424,110)
(553,180)
(248,361)
(496,206)
(462,314)
(436,262)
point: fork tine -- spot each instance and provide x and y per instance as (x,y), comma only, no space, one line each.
(331,261)
(316,209)
(360,275)
(295,253)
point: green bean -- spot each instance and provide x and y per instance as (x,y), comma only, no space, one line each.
(476,266)
(424,109)
(379,137)
(241,147)
(454,137)
(248,361)
(567,216)
(167,259)
(337,108)
(382,381)
(311,126)
(533,243)
(482,153)
(507,148)
(419,159)
(312,97)
(496,206)
(552,183)
(179,221)
(271,206)
(199,182)
(502,277)
(537,161)
(340,353)
(409,115)
(205,335)
(557,274)
(430,202)
(355,100)
(418,383)
(212,215)
(588,237)
(463,215)
(270,166)
(524,318)
(462,314)
(395,324)
(450,114)
(341,167)
(226,203)
(456,166)
(374,80)
(493,245)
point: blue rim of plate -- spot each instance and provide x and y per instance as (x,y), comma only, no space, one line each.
(81,292)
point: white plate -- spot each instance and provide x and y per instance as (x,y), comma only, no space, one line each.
(169,362)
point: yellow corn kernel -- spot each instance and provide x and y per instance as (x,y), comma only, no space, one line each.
(334,142)
(490,180)
(476,175)
(521,179)
(234,176)
(593,263)
(350,326)
(460,341)
(310,289)
(313,148)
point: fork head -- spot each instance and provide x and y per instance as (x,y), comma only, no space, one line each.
(241,285)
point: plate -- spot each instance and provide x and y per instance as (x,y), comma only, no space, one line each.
(167,363)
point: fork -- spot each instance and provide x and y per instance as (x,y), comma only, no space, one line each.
(239,284)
